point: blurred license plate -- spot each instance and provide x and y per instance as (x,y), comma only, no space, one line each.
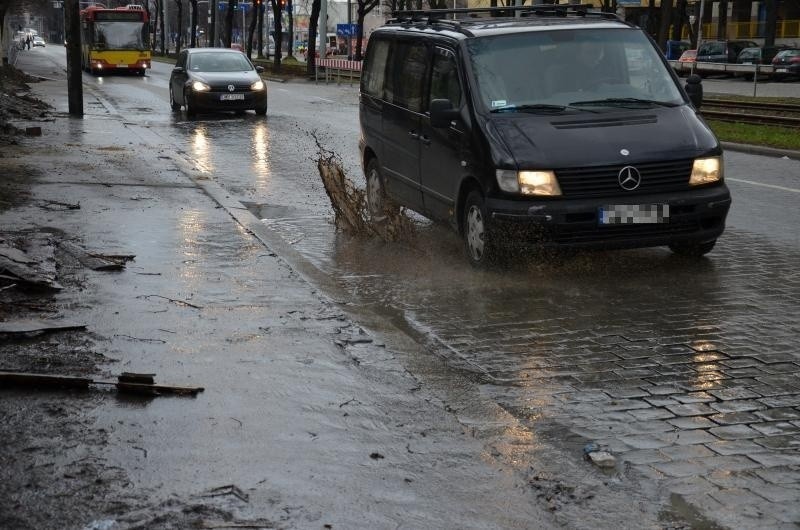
(780,69)
(231,97)
(631,214)
(122,66)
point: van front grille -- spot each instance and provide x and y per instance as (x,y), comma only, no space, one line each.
(600,181)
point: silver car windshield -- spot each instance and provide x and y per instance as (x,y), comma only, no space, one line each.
(573,69)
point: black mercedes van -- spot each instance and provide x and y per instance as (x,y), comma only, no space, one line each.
(556,126)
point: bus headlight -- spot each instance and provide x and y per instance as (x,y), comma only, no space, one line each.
(258,85)
(542,183)
(199,86)
(706,171)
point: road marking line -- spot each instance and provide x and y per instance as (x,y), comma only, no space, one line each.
(764,185)
(323,99)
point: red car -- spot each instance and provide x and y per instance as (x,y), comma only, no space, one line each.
(685,62)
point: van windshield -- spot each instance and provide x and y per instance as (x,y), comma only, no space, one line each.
(601,67)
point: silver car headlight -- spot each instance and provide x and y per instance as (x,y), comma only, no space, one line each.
(706,171)
(258,85)
(199,86)
(529,182)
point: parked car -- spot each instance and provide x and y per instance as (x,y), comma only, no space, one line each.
(686,60)
(216,79)
(538,131)
(675,49)
(757,55)
(38,41)
(722,51)
(786,63)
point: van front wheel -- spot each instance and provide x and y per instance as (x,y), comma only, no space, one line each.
(478,242)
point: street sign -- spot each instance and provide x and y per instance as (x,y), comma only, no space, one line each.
(346,30)
(629,3)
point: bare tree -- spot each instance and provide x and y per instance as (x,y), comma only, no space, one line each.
(227,35)
(363,8)
(277,8)
(193,24)
(179,33)
(664,23)
(771,22)
(679,20)
(260,29)
(252,28)
(311,49)
(290,29)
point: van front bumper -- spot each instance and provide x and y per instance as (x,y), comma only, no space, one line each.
(695,216)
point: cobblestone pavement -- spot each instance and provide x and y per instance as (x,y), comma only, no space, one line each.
(686,371)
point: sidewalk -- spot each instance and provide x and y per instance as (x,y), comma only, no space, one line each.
(307,420)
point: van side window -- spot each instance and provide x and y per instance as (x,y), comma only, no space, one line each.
(372,82)
(404,84)
(444,78)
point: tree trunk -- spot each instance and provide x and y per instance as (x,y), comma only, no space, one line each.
(771,22)
(179,33)
(74,80)
(651,18)
(163,28)
(156,19)
(663,26)
(311,49)
(193,41)
(680,14)
(290,29)
(276,13)
(360,37)
(252,29)
(228,35)
(260,39)
(722,28)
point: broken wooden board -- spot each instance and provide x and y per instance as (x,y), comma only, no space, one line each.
(43,380)
(94,261)
(29,325)
(62,381)
(28,276)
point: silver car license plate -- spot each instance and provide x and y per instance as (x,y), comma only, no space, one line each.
(231,97)
(631,214)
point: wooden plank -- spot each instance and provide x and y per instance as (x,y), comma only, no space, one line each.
(34,325)
(27,379)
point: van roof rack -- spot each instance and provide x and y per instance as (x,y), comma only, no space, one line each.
(431,16)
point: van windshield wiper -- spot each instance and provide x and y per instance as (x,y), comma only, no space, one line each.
(544,108)
(622,102)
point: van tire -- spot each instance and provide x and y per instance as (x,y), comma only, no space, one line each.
(379,205)
(478,242)
(692,250)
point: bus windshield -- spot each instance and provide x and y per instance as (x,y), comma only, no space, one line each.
(120,35)
(585,68)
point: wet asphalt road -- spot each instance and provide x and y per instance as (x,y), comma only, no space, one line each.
(687,371)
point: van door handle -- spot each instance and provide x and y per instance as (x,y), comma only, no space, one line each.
(425,140)
(414,135)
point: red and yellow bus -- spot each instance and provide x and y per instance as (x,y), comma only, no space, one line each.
(115,39)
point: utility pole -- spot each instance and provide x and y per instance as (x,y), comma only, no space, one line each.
(74,81)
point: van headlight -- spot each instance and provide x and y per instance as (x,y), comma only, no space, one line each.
(706,171)
(198,86)
(258,85)
(542,183)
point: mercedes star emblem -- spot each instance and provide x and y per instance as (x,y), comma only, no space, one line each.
(231,88)
(629,178)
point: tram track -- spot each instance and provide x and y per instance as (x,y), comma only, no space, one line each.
(759,113)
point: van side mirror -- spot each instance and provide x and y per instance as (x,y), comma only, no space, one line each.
(259,69)
(694,88)
(442,113)
(178,70)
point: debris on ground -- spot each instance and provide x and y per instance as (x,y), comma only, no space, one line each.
(16,103)
(126,382)
(350,205)
(95,261)
(230,489)
(32,267)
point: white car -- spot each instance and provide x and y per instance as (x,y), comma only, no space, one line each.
(38,41)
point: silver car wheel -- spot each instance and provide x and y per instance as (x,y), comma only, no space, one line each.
(475,233)
(375,201)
